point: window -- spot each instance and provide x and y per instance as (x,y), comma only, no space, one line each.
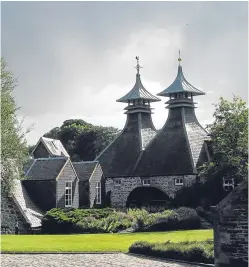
(117,182)
(146,182)
(179,181)
(228,184)
(98,193)
(68,194)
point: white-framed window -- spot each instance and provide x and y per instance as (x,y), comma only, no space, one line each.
(228,184)
(178,181)
(68,194)
(98,193)
(117,182)
(146,182)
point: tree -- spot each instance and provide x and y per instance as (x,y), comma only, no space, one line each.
(229,155)
(82,140)
(13,144)
(229,139)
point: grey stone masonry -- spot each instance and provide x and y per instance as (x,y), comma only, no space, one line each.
(10,215)
(120,193)
(231,229)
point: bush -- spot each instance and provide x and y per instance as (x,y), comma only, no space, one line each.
(69,220)
(182,218)
(108,220)
(187,251)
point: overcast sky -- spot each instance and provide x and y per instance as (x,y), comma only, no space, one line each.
(74,59)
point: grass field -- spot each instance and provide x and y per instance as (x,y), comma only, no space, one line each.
(94,242)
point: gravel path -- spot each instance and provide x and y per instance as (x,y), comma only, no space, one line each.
(82,260)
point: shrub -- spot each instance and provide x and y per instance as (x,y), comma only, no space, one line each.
(188,218)
(182,218)
(187,251)
(107,220)
(71,220)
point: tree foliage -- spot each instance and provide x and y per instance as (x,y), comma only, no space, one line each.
(229,155)
(229,140)
(13,143)
(82,140)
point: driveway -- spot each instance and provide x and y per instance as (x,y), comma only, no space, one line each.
(82,260)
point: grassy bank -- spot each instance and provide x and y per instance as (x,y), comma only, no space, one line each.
(95,242)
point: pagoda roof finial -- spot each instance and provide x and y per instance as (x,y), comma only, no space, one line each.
(138,67)
(180,84)
(179,58)
(138,91)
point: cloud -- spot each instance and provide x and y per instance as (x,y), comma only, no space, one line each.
(74,59)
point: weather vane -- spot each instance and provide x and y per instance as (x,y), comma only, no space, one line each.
(138,67)
(179,59)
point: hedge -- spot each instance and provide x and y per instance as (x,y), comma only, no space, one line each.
(195,251)
(60,221)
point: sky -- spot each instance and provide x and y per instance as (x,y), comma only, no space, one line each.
(73,60)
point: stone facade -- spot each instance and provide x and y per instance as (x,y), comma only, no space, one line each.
(10,215)
(120,193)
(231,229)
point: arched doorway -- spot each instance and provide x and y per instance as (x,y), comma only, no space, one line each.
(146,197)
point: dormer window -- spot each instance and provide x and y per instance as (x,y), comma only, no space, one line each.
(228,184)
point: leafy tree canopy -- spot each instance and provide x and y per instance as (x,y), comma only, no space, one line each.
(82,140)
(229,141)
(13,144)
(229,155)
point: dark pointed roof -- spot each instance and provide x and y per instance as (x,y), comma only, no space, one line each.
(85,169)
(46,168)
(175,150)
(120,157)
(54,147)
(180,85)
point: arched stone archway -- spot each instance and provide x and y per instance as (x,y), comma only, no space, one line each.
(146,196)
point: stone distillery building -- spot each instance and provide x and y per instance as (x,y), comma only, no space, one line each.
(141,167)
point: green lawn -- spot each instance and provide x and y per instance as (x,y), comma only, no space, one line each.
(94,242)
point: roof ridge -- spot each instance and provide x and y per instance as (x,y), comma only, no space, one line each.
(52,158)
(80,162)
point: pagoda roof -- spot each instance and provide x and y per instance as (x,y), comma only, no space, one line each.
(180,85)
(138,92)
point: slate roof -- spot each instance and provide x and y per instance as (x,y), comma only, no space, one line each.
(27,165)
(195,132)
(180,84)
(46,168)
(29,210)
(121,156)
(84,169)
(176,148)
(138,92)
(54,147)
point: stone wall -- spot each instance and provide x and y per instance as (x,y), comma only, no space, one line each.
(231,229)
(10,215)
(120,193)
